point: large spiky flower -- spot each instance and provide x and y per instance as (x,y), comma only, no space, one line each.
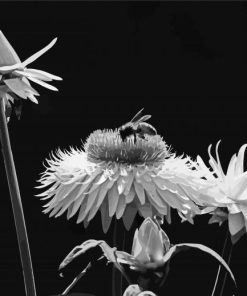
(119,178)
(228,191)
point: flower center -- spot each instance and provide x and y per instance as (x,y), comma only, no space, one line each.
(108,146)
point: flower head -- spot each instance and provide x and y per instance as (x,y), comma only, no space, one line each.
(151,252)
(15,76)
(119,178)
(228,190)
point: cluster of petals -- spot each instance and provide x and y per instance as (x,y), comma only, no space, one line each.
(74,183)
(15,75)
(227,189)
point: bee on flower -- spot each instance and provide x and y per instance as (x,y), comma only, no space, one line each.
(119,177)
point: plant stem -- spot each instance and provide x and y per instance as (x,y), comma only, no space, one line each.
(219,268)
(76,279)
(114,270)
(224,281)
(117,277)
(16,205)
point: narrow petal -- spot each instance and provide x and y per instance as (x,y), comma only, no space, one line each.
(91,200)
(35,56)
(240,161)
(140,192)
(103,190)
(42,83)
(82,210)
(129,182)
(231,170)
(129,216)
(170,198)
(42,75)
(121,182)
(120,206)
(105,218)
(113,197)
(130,196)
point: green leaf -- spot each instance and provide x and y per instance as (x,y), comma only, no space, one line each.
(182,247)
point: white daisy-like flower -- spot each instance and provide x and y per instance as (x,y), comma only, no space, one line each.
(228,190)
(15,76)
(119,178)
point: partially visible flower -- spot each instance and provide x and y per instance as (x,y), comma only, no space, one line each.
(150,251)
(15,76)
(229,190)
(119,178)
(135,290)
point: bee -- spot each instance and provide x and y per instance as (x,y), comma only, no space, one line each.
(137,127)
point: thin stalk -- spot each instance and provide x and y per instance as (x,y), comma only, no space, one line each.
(219,268)
(16,205)
(225,277)
(117,277)
(114,270)
(76,279)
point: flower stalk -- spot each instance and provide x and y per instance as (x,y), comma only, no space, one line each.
(16,205)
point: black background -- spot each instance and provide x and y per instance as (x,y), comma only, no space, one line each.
(185,63)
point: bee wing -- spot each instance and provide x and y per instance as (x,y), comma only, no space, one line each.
(144,118)
(135,118)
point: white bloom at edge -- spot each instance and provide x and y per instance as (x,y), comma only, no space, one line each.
(119,178)
(14,74)
(230,189)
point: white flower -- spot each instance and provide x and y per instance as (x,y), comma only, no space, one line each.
(135,290)
(119,178)
(230,189)
(150,251)
(14,74)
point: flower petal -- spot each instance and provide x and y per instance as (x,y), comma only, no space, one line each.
(42,83)
(8,56)
(121,206)
(105,218)
(113,197)
(235,222)
(39,74)
(35,56)
(155,248)
(239,168)
(140,192)
(129,216)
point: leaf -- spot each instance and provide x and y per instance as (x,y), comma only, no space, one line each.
(185,246)
(109,252)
